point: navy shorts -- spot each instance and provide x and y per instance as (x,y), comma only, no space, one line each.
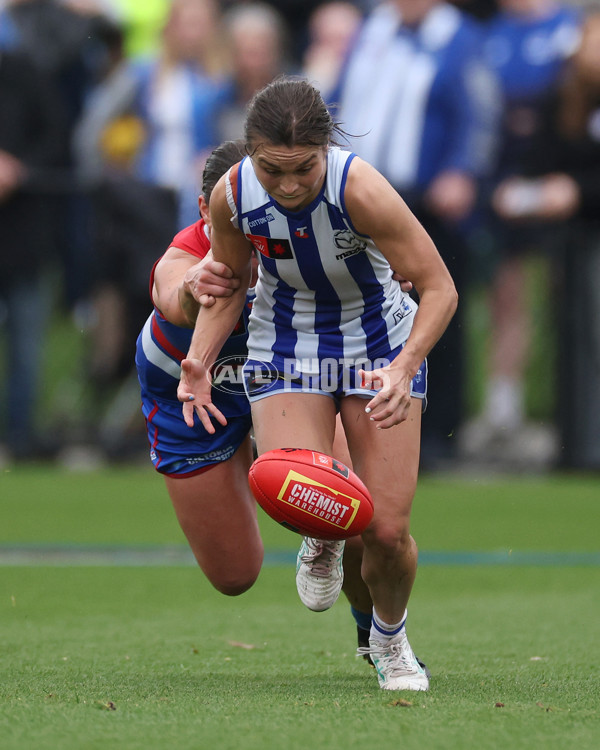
(177,450)
(329,377)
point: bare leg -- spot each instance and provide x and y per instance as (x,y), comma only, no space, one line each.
(511,324)
(217,513)
(510,342)
(294,420)
(354,587)
(387,461)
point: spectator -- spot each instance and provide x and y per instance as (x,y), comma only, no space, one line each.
(67,46)
(527,45)
(31,130)
(561,183)
(331,28)
(423,110)
(296,14)
(142,142)
(258,44)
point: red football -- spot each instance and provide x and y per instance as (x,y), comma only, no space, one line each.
(311,493)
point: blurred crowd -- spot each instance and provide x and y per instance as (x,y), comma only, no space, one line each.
(483,114)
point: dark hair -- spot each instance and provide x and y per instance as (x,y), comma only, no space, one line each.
(223,157)
(289,112)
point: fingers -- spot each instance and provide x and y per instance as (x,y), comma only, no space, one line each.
(220,270)
(220,275)
(194,393)
(373,379)
(389,406)
(218,415)
(405,284)
(203,417)
(188,414)
(209,278)
(213,287)
(388,416)
(204,412)
(387,412)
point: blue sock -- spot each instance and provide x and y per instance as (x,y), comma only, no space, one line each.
(363,619)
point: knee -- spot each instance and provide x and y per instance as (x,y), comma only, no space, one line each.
(233,587)
(389,539)
(234,581)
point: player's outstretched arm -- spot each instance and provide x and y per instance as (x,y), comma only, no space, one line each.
(182,283)
(214,324)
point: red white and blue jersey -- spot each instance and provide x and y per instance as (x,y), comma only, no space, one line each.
(162,345)
(324,290)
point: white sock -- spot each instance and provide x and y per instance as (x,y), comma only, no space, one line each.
(505,408)
(381,630)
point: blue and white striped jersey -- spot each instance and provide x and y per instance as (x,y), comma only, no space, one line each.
(324,290)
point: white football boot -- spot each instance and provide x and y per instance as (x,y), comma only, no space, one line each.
(319,573)
(397,666)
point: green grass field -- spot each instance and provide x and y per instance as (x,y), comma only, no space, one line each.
(105,649)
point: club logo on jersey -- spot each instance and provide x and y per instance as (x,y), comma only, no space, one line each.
(348,242)
(271,248)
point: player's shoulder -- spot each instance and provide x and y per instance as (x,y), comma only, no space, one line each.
(193,239)
(361,175)
(368,196)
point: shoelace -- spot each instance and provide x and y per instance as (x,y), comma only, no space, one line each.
(393,660)
(320,558)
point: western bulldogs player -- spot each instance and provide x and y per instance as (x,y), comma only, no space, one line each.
(206,474)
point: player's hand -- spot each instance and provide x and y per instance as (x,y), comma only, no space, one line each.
(405,284)
(194,391)
(451,196)
(390,405)
(209,279)
(553,197)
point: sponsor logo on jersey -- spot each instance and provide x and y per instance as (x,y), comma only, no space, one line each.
(261,220)
(222,454)
(348,242)
(271,247)
(302,233)
(404,310)
(318,500)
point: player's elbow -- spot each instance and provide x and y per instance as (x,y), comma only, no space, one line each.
(452,298)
